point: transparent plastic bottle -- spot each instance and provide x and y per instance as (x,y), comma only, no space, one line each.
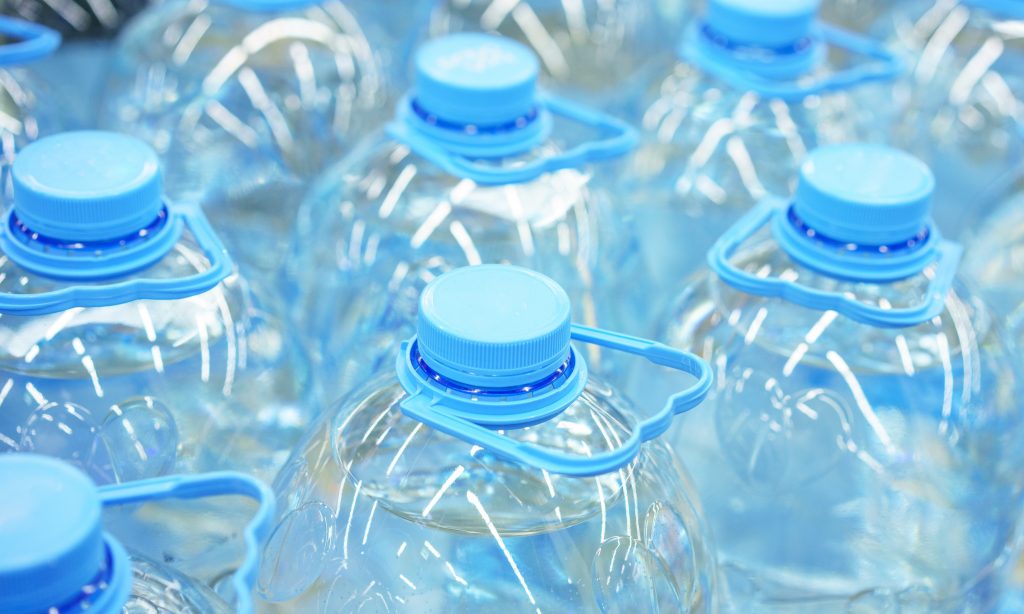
(961,105)
(27,108)
(755,87)
(55,556)
(246,99)
(863,444)
(598,52)
(128,346)
(486,469)
(474,169)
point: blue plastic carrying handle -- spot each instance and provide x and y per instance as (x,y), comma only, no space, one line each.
(882,65)
(619,138)
(945,256)
(130,289)
(33,41)
(210,485)
(428,408)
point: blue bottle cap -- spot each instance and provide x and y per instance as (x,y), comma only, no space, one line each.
(87,186)
(476,79)
(762,23)
(51,537)
(864,194)
(494,324)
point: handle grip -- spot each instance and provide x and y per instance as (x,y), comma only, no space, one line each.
(427,409)
(209,485)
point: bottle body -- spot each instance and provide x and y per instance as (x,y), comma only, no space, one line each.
(960,99)
(34,112)
(375,499)
(131,391)
(845,465)
(245,104)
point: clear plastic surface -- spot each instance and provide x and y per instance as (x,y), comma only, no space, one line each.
(846,466)
(380,512)
(385,221)
(243,105)
(155,589)
(959,106)
(29,111)
(994,257)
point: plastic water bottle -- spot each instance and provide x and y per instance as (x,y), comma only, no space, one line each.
(486,468)
(246,99)
(961,103)
(27,110)
(128,346)
(862,450)
(756,86)
(56,557)
(473,169)
(595,51)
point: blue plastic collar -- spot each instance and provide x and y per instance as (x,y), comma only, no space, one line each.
(473,417)
(214,484)
(1013,9)
(866,264)
(493,351)
(457,151)
(34,41)
(786,71)
(84,263)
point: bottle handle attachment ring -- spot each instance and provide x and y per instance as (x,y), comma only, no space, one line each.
(126,290)
(425,407)
(945,255)
(880,65)
(617,139)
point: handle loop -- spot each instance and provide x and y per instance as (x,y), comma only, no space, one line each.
(429,408)
(34,41)
(132,289)
(882,65)
(617,139)
(944,254)
(209,485)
